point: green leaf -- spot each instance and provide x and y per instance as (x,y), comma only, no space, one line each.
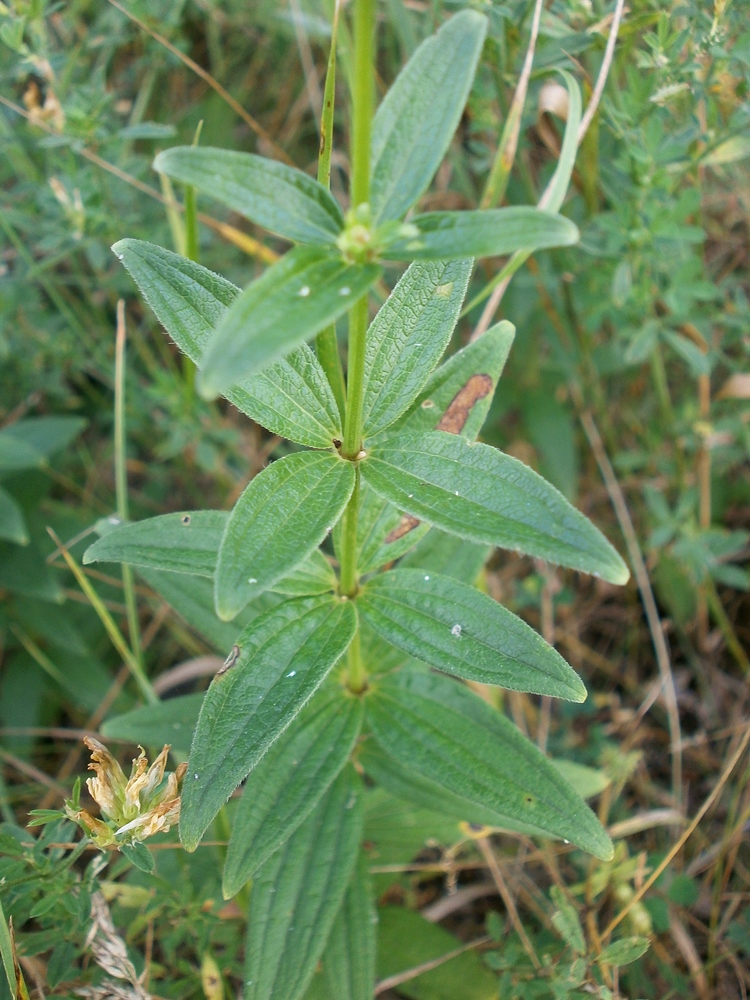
(285,512)
(289,781)
(291,397)
(567,922)
(408,336)
(298,892)
(313,576)
(479,493)
(296,298)
(28,444)
(624,951)
(139,856)
(192,597)
(171,721)
(487,233)
(459,630)
(282,658)
(416,790)
(349,956)
(456,398)
(459,393)
(415,122)
(439,552)
(444,733)
(406,940)
(271,194)
(12,523)
(183,542)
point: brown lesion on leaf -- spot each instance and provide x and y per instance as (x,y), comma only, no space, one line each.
(404,526)
(455,417)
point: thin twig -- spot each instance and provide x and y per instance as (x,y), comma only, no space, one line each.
(601,79)
(497,182)
(312,83)
(497,876)
(675,850)
(493,303)
(647,597)
(403,977)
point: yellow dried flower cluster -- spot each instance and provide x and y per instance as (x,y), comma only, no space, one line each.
(133,808)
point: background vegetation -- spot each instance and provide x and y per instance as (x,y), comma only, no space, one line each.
(627,387)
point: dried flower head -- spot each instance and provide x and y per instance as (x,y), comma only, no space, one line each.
(133,808)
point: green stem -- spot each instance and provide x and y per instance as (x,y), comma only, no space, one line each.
(356,379)
(363,105)
(363,99)
(326,344)
(348,582)
(121,480)
(356,675)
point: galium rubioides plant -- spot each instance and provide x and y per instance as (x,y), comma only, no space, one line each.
(355,664)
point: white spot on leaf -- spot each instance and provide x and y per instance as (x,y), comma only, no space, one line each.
(456,630)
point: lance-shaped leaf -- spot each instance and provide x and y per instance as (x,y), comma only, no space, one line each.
(349,956)
(298,892)
(459,630)
(313,576)
(488,233)
(416,120)
(291,397)
(285,512)
(184,542)
(445,734)
(275,667)
(456,399)
(479,493)
(296,298)
(271,194)
(287,784)
(408,337)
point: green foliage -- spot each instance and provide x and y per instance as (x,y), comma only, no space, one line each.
(321,649)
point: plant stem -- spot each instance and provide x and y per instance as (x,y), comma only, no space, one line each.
(348,582)
(356,674)
(362,111)
(326,344)
(121,479)
(362,99)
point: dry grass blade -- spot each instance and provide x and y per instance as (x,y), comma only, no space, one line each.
(111,955)
(647,597)
(403,977)
(277,151)
(680,843)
